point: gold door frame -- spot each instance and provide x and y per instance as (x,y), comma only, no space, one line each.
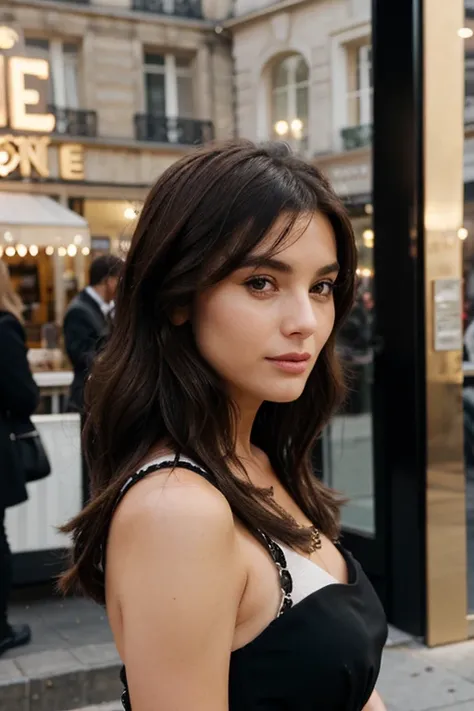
(446,540)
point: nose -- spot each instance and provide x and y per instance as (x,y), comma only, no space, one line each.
(300,317)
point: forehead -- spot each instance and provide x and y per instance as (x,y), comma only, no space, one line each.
(310,238)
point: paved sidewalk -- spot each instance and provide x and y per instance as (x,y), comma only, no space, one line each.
(72,656)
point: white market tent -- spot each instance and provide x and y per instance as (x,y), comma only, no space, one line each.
(37,219)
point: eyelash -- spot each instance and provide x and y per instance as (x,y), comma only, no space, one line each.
(250,283)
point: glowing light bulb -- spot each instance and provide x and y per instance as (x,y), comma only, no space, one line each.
(62,251)
(33,250)
(281,128)
(85,251)
(129,213)
(463,233)
(72,250)
(10,251)
(368,237)
(78,239)
(49,250)
(465,32)
(21,250)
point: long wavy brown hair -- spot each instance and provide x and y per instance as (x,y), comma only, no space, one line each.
(151,384)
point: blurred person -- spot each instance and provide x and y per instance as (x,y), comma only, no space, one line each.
(18,400)
(354,346)
(208,537)
(87,323)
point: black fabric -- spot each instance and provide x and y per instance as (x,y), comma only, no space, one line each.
(18,397)
(85,331)
(321,654)
(5,576)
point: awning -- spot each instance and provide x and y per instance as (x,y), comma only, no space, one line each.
(37,219)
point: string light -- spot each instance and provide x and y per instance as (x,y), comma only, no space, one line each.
(78,239)
(8,237)
(33,250)
(62,251)
(368,237)
(129,213)
(463,233)
(21,250)
(85,251)
(465,33)
(49,250)
(72,250)
(10,251)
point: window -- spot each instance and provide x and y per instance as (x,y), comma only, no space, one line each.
(290,89)
(63,69)
(359,95)
(290,101)
(168,85)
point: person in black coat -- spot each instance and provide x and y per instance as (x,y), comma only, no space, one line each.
(18,400)
(86,327)
(86,324)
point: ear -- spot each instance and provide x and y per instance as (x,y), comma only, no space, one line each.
(180,316)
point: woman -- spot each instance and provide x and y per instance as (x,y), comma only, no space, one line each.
(18,401)
(208,536)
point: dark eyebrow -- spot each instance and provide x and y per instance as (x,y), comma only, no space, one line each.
(277,265)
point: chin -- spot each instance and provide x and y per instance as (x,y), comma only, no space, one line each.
(284,395)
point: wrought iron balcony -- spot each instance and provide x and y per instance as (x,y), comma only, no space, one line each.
(178,8)
(163,129)
(356,137)
(75,122)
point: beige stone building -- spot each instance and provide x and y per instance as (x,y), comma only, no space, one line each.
(303,72)
(97,98)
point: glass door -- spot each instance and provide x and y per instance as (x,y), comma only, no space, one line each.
(348,451)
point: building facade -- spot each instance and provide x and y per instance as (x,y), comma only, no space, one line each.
(129,87)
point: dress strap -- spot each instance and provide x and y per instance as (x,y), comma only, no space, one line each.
(165,462)
(286,581)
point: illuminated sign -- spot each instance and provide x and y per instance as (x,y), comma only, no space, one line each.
(14,71)
(19,112)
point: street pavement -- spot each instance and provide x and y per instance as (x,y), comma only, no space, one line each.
(73,634)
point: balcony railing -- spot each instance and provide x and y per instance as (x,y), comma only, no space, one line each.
(75,122)
(356,137)
(163,129)
(178,8)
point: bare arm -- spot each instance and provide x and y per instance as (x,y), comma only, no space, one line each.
(173,562)
(375,703)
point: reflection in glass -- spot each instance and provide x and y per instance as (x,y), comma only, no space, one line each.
(348,458)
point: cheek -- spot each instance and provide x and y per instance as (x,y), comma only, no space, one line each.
(223,326)
(326,323)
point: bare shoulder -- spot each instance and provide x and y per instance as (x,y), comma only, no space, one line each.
(174,583)
(168,513)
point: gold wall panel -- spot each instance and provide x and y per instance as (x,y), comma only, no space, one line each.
(446,560)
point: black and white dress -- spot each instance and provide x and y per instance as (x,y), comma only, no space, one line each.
(323,650)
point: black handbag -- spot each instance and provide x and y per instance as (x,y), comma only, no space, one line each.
(30,455)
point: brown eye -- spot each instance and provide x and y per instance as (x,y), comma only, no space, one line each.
(323,288)
(258,283)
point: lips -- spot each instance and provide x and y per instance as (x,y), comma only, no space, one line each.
(291,363)
(291,357)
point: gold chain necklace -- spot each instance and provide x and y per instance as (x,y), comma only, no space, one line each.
(315,543)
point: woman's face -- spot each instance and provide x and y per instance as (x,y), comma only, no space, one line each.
(264,326)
